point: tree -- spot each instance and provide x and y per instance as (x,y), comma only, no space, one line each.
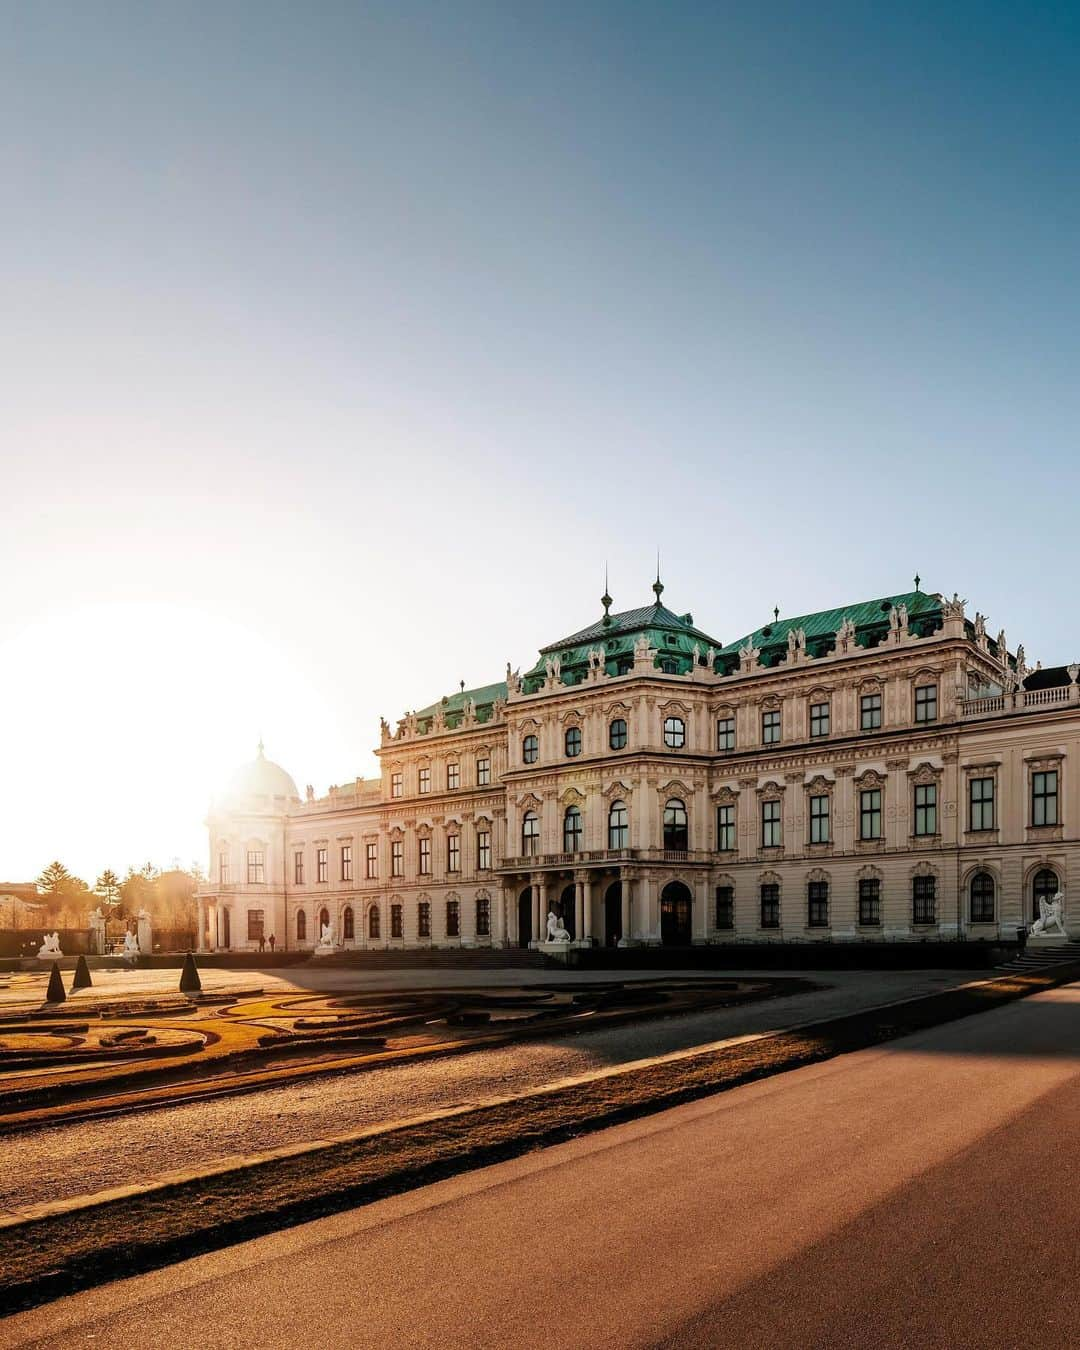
(138,890)
(59,886)
(108,887)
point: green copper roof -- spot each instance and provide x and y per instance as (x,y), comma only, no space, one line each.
(870,617)
(673,635)
(453,705)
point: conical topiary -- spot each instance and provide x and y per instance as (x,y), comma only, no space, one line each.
(189,976)
(55,992)
(82,978)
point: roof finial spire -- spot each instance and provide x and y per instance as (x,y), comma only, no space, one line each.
(776,613)
(918,579)
(658,585)
(605,599)
(261,747)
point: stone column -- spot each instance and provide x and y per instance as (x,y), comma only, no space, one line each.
(699,929)
(200,940)
(627,911)
(586,910)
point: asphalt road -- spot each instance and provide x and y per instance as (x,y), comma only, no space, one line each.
(926,1193)
(82,1158)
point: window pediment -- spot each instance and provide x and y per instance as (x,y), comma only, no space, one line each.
(820,786)
(617,789)
(675,788)
(869,779)
(529,801)
(869,873)
(725,793)
(770,790)
(924,773)
(572,797)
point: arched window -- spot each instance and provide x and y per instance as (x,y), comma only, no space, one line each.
(483,915)
(397,928)
(618,826)
(373,923)
(1044,887)
(324,919)
(669,665)
(982,898)
(571,830)
(674,733)
(453,918)
(530,749)
(617,734)
(301,926)
(572,741)
(423,919)
(348,927)
(676,831)
(530,834)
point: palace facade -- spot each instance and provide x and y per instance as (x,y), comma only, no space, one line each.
(882,771)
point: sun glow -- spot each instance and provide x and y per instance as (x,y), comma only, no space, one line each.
(125,718)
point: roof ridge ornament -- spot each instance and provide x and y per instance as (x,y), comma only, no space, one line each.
(605,600)
(658,585)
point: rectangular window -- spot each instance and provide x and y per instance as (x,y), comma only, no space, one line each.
(770,905)
(870,814)
(924,900)
(483,771)
(926,808)
(725,906)
(346,862)
(453,918)
(870,712)
(223,869)
(725,828)
(453,776)
(819,719)
(981,804)
(483,850)
(725,733)
(425,780)
(453,852)
(425,856)
(255,869)
(870,903)
(255,924)
(770,727)
(926,703)
(397,784)
(770,824)
(817,904)
(1044,798)
(321,873)
(371,861)
(819,819)
(423,919)
(397,858)
(483,916)
(298,867)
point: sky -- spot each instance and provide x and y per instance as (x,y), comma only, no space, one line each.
(344,345)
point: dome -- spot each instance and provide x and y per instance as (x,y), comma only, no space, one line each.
(261,777)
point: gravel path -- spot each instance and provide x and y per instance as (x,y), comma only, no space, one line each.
(85,1157)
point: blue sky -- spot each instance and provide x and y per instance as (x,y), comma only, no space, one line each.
(345,343)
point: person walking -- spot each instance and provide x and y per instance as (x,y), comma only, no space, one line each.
(271,944)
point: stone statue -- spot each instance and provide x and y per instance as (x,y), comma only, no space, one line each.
(1050,912)
(50,947)
(710,656)
(641,648)
(97,932)
(845,635)
(555,931)
(748,655)
(131,947)
(1021,664)
(326,938)
(309,791)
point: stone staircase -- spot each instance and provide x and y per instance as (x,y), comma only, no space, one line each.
(1039,957)
(458,958)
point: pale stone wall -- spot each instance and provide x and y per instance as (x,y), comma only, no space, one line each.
(967,737)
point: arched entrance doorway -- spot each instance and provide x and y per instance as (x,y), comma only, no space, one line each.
(525,917)
(613,914)
(567,909)
(1044,887)
(675,914)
